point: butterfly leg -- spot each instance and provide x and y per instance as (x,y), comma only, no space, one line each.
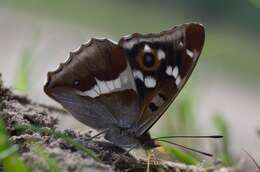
(98,134)
(154,159)
(148,160)
(125,153)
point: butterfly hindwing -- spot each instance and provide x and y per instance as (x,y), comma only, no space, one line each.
(161,64)
(96,86)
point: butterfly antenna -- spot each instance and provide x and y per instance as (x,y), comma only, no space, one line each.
(196,137)
(194,150)
(253,159)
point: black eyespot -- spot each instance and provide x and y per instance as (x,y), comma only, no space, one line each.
(153,107)
(76,83)
(148,60)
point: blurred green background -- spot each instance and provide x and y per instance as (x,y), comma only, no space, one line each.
(222,94)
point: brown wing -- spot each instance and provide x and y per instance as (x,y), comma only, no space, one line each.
(161,65)
(96,86)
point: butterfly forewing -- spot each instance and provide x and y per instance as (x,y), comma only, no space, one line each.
(161,64)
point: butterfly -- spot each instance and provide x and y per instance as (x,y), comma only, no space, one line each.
(124,88)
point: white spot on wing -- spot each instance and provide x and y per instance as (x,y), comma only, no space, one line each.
(178,81)
(181,44)
(103,86)
(110,85)
(129,45)
(122,82)
(168,70)
(175,72)
(149,82)
(96,88)
(190,53)
(91,93)
(147,49)
(160,54)
(125,79)
(138,75)
(117,83)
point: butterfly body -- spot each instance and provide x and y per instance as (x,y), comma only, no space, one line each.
(124,88)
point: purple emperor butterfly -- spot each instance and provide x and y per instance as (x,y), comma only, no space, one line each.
(124,88)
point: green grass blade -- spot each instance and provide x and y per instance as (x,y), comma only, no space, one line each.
(222,126)
(22,79)
(8,152)
(160,168)
(24,66)
(181,156)
(10,159)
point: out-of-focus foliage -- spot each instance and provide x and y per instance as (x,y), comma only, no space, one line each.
(222,126)
(181,156)
(8,153)
(23,73)
(255,3)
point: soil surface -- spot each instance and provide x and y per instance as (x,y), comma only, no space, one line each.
(33,126)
